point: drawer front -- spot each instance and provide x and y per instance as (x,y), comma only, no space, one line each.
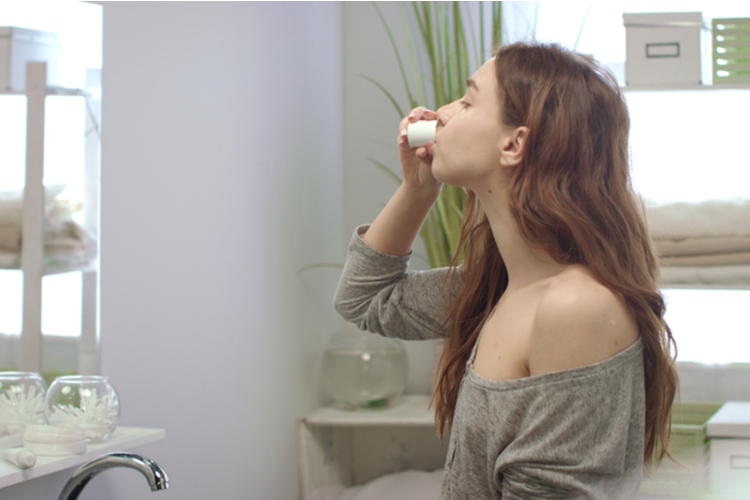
(730,466)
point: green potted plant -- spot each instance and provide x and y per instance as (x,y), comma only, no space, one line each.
(447,41)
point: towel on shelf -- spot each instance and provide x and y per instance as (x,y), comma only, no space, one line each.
(706,219)
(65,242)
(11,203)
(708,233)
(10,237)
(711,276)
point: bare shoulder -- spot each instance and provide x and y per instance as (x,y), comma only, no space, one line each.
(578,322)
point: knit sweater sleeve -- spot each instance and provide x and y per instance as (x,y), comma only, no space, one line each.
(378,294)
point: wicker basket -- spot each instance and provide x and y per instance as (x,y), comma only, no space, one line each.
(731,50)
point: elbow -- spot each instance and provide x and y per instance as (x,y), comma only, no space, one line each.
(350,311)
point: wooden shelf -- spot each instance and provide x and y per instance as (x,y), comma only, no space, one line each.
(124,438)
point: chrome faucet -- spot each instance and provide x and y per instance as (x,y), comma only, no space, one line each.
(155,475)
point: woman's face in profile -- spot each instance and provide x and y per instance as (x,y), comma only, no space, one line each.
(470,134)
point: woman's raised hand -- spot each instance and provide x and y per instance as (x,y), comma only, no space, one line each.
(396,227)
(416,163)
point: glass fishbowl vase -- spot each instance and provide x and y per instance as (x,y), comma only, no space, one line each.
(21,401)
(362,370)
(88,402)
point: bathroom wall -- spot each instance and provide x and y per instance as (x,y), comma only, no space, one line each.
(221,178)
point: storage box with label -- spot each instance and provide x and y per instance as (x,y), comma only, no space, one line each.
(667,49)
(729,432)
(19,46)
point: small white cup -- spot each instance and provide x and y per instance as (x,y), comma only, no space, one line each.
(421,133)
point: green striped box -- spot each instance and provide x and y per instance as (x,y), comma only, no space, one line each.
(731,50)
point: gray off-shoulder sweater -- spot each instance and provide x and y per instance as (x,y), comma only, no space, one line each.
(575,433)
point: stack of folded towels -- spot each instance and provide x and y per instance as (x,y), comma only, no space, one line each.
(709,233)
(703,243)
(64,240)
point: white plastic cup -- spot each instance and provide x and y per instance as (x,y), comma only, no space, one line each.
(421,133)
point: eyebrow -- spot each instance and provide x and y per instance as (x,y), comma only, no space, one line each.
(470,83)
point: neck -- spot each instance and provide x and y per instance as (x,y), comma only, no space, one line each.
(526,264)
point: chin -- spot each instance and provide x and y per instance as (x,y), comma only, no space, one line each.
(446,176)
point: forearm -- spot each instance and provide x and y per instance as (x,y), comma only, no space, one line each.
(395,229)
(377,294)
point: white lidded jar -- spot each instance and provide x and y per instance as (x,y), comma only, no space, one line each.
(363,370)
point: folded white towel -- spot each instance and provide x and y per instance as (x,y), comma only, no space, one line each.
(10,237)
(715,276)
(11,203)
(712,218)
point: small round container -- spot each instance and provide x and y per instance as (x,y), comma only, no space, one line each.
(56,450)
(364,370)
(88,402)
(21,401)
(53,434)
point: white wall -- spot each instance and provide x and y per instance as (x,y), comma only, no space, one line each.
(221,177)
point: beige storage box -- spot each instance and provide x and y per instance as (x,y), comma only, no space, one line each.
(19,46)
(667,49)
(729,432)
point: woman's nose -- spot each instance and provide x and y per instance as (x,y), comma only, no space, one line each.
(444,115)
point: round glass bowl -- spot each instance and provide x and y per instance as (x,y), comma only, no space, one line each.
(88,402)
(362,370)
(21,401)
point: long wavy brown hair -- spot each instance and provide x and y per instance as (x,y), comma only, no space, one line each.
(571,195)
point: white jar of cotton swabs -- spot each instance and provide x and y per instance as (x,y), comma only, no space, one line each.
(88,402)
(21,401)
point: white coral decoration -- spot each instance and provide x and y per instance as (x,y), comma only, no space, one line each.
(98,416)
(18,408)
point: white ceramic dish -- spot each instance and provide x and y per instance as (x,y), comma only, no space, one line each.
(59,449)
(53,434)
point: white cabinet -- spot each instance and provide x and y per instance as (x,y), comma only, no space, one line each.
(351,448)
(32,256)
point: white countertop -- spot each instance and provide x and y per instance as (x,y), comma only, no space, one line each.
(123,439)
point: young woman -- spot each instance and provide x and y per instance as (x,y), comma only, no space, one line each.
(556,378)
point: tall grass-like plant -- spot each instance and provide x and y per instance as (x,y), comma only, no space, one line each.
(447,42)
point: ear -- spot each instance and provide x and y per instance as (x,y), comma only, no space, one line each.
(512,147)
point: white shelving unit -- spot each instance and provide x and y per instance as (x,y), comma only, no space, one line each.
(32,229)
(351,448)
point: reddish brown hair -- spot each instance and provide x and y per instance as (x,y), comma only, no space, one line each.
(571,195)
